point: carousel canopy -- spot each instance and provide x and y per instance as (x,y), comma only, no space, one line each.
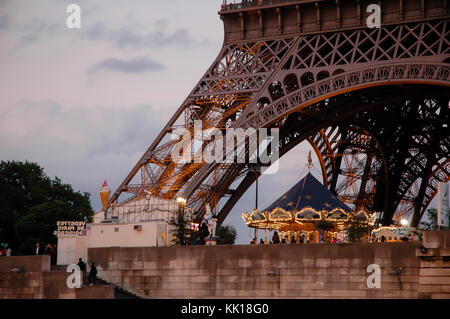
(308,192)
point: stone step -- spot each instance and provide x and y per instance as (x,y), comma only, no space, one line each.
(119,293)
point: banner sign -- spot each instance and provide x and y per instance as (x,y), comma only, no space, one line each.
(70,228)
(443,206)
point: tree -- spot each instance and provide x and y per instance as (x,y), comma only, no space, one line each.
(31,203)
(356,229)
(432,218)
(182,231)
(227,235)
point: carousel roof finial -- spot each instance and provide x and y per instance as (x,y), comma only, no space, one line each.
(309,165)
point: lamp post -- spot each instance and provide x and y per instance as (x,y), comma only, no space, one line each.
(182,202)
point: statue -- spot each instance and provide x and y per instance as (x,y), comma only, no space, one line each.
(211,223)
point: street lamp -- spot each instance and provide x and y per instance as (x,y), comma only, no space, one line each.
(181,201)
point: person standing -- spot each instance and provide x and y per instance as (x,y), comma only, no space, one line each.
(293,239)
(82,266)
(47,250)
(8,252)
(92,274)
(53,254)
(37,249)
(276,238)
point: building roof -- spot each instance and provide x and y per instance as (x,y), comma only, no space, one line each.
(308,192)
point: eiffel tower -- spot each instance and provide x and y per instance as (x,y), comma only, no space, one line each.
(372,102)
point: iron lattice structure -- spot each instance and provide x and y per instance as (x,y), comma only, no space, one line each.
(373,103)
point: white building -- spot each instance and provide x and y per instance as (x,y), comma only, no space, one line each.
(141,222)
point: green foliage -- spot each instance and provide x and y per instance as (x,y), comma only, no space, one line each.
(182,231)
(432,217)
(31,203)
(356,229)
(227,235)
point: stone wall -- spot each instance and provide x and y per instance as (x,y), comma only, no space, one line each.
(434,281)
(250,271)
(29,277)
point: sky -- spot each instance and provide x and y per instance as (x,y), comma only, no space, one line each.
(86,103)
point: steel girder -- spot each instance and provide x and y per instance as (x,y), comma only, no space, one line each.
(263,82)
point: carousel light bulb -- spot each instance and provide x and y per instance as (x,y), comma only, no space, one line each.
(404,222)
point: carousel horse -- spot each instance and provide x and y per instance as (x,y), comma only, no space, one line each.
(210,221)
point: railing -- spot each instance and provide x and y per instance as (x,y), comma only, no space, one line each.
(242,4)
(381,74)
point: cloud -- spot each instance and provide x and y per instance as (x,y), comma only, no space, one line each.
(4,22)
(34,31)
(134,65)
(81,146)
(126,37)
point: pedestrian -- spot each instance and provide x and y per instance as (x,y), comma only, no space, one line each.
(37,249)
(275,238)
(53,254)
(47,250)
(383,239)
(92,274)
(293,240)
(8,252)
(82,266)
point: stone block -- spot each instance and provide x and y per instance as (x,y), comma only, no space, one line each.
(138,265)
(95,292)
(434,288)
(440,296)
(26,263)
(322,262)
(430,252)
(434,239)
(434,280)
(430,272)
(435,263)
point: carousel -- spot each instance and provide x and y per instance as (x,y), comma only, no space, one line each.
(306,213)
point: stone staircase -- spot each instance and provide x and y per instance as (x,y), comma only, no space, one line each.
(32,277)
(119,293)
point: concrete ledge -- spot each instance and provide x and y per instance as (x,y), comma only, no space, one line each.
(306,271)
(95,292)
(436,239)
(26,263)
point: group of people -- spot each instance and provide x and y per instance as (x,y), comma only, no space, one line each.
(302,239)
(49,250)
(5,251)
(92,272)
